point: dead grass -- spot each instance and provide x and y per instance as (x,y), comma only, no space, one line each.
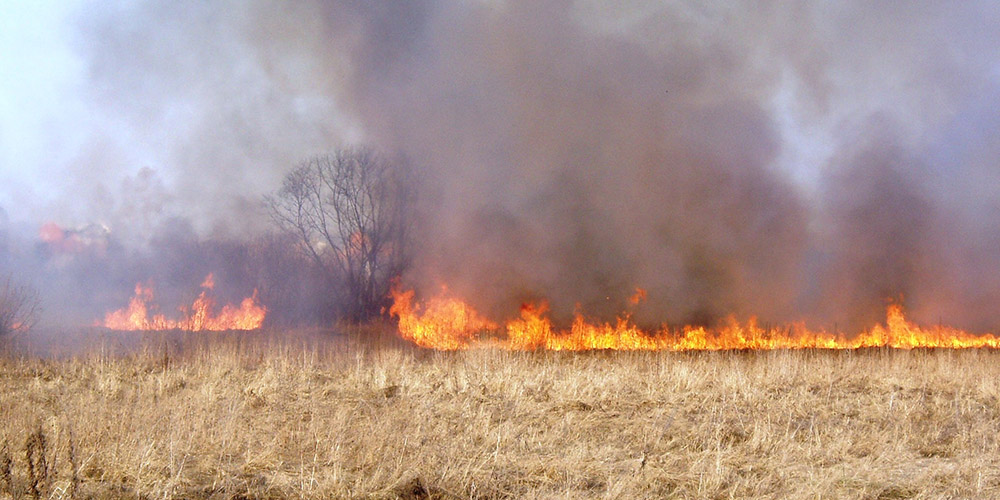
(234,420)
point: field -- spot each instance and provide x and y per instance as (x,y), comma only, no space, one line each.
(231,417)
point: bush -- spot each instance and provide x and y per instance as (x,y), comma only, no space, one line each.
(19,306)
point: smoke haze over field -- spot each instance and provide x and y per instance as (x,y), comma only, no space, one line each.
(803,162)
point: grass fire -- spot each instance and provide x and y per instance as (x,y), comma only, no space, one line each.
(139,315)
(449,324)
(499,249)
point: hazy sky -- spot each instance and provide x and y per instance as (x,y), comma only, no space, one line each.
(924,67)
(42,116)
(55,112)
(77,139)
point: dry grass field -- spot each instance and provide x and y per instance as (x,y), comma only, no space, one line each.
(236,418)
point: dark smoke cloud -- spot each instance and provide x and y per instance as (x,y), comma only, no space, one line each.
(576,165)
(794,162)
(879,223)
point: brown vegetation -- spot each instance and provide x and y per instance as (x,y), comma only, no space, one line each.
(235,418)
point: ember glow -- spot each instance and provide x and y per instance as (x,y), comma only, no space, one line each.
(447,323)
(141,315)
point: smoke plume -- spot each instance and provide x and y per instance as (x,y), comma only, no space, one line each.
(791,162)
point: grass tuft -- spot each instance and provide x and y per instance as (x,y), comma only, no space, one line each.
(35,450)
(6,464)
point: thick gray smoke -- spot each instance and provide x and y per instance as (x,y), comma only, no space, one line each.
(803,162)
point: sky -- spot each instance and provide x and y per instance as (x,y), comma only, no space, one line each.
(789,158)
(38,75)
(76,149)
(51,115)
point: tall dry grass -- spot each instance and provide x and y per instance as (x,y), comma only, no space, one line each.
(230,418)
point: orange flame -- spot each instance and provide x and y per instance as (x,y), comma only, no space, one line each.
(446,323)
(638,296)
(209,282)
(196,317)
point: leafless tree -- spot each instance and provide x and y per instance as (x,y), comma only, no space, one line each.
(351,211)
(19,306)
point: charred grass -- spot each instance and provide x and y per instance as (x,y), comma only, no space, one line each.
(232,418)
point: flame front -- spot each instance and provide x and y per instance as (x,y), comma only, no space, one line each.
(200,315)
(446,323)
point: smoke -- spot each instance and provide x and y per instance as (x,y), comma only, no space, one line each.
(582,152)
(803,162)
(878,226)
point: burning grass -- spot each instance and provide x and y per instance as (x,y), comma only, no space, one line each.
(447,323)
(199,316)
(246,416)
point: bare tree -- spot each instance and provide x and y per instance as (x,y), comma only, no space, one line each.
(19,306)
(351,211)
